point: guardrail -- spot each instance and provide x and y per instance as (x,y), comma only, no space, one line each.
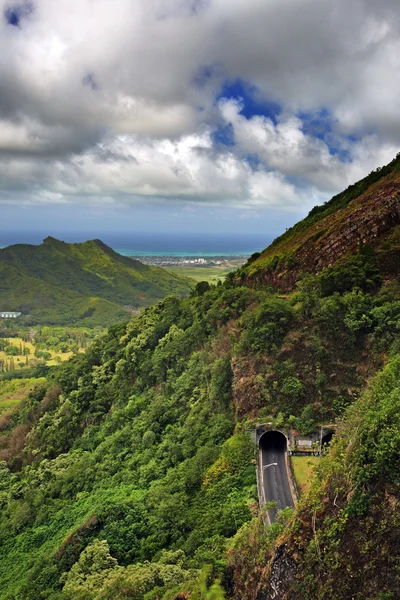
(292,480)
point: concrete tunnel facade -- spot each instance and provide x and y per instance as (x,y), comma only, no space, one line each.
(273,438)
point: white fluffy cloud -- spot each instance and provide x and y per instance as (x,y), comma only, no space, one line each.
(117,101)
(285,147)
(128,168)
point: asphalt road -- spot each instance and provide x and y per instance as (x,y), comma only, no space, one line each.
(275,479)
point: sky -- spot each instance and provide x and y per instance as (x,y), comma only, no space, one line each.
(191,116)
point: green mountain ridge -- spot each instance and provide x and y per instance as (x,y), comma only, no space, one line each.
(131,472)
(87,283)
(367,213)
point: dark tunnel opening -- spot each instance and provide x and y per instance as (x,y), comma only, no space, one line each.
(274,474)
(273,439)
(326,439)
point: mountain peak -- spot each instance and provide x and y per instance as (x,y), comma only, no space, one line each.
(99,244)
(52,241)
(81,282)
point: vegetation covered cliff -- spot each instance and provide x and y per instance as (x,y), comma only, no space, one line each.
(88,283)
(130,472)
(367,213)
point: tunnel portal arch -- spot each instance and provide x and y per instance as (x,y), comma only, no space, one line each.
(273,439)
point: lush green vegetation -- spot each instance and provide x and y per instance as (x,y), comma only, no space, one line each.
(129,472)
(63,339)
(160,467)
(303,470)
(139,442)
(209,274)
(87,284)
(12,392)
(343,541)
(42,346)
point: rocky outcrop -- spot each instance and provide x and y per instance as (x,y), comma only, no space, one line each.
(250,375)
(375,216)
(283,573)
(366,220)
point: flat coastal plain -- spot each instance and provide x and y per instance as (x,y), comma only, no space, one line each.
(197,268)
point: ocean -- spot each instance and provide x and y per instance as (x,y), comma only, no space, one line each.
(194,245)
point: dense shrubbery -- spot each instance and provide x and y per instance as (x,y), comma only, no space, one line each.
(264,328)
(134,442)
(359,271)
(356,498)
(138,449)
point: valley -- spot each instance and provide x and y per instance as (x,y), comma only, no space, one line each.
(199,268)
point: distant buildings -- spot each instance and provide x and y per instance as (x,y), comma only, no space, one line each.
(9,315)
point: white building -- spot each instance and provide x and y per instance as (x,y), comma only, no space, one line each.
(9,315)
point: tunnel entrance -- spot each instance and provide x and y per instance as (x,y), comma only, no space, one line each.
(273,440)
(326,439)
(273,472)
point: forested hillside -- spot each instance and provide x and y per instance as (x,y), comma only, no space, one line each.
(130,472)
(87,284)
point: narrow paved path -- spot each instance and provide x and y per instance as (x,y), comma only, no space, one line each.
(275,478)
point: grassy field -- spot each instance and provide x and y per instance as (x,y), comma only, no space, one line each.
(13,391)
(303,469)
(20,359)
(210,274)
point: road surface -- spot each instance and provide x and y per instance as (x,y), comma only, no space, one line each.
(274,477)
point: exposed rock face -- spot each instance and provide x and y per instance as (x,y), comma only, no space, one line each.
(249,383)
(378,214)
(283,573)
(366,220)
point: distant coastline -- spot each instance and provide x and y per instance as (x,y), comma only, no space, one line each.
(184,254)
(193,261)
(155,245)
(196,260)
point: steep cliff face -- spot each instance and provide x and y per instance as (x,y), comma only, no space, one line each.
(365,221)
(372,217)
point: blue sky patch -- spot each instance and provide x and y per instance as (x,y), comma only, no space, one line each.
(223,135)
(14,14)
(253,102)
(317,124)
(253,161)
(321,125)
